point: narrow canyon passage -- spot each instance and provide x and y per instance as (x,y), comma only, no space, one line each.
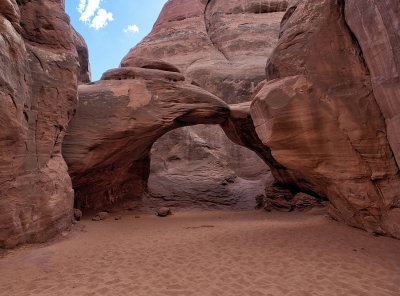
(208,253)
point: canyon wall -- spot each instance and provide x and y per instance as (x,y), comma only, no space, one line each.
(322,119)
(323,113)
(323,107)
(376,25)
(38,92)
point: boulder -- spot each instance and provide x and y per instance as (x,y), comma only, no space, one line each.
(163,212)
(103,215)
(77,214)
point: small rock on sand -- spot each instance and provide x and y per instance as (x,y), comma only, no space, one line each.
(77,214)
(101,216)
(163,212)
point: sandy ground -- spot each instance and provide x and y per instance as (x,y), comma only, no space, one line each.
(208,253)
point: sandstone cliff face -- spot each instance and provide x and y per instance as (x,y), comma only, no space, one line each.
(320,115)
(221,46)
(37,93)
(376,25)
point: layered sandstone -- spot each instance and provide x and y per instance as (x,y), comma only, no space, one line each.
(322,117)
(38,82)
(376,25)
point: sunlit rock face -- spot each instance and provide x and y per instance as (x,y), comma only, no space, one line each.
(38,83)
(221,46)
(323,118)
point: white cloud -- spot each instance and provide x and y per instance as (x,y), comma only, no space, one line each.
(88,9)
(93,15)
(101,19)
(82,5)
(132,28)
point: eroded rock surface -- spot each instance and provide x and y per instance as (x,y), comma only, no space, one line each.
(221,46)
(376,25)
(320,114)
(117,121)
(202,179)
(38,83)
(326,119)
(300,202)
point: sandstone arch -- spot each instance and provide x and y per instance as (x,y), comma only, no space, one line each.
(117,121)
(119,118)
(334,132)
(317,121)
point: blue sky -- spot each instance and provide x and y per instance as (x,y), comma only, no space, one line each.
(112,27)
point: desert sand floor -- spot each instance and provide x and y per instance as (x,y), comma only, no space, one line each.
(208,253)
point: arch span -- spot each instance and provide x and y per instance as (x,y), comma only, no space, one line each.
(118,119)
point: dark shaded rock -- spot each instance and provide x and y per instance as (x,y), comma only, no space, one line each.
(77,214)
(287,203)
(103,215)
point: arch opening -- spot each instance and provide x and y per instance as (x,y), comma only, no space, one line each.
(192,168)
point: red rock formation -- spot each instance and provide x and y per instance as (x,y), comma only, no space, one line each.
(221,46)
(37,93)
(326,119)
(376,25)
(319,115)
(117,121)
